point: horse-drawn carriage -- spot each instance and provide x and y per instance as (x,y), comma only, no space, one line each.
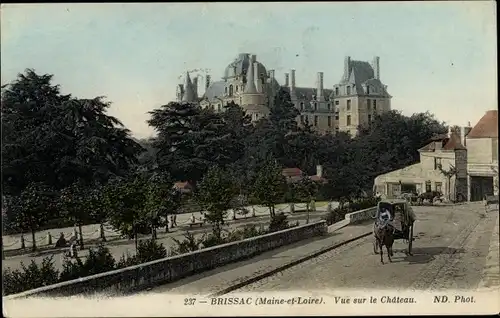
(400,222)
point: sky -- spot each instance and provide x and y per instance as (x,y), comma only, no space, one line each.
(434,56)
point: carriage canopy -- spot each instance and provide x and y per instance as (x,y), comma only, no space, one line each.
(399,209)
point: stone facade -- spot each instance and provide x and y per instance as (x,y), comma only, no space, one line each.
(354,101)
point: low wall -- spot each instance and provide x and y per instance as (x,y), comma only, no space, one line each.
(170,269)
(360,216)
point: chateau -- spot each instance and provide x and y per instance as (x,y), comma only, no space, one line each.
(357,97)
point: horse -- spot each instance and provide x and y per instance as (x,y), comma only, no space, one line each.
(384,235)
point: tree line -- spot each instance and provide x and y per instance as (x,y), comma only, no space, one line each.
(65,158)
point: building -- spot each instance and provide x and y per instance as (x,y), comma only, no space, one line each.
(353,101)
(293,175)
(482,157)
(442,155)
(468,155)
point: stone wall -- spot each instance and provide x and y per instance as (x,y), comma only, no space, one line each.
(170,269)
(360,216)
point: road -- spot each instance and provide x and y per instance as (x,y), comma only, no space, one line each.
(450,252)
(129,246)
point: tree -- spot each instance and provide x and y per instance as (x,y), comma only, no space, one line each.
(269,187)
(32,208)
(450,173)
(215,194)
(58,139)
(73,203)
(306,190)
(162,199)
(190,140)
(125,199)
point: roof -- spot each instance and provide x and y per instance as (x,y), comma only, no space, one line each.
(239,66)
(447,143)
(291,172)
(454,143)
(182,184)
(361,72)
(487,126)
(306,93)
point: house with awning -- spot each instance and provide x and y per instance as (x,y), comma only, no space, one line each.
(462,163)
(482,157)
(441,156)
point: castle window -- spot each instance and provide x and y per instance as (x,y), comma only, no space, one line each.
(329,106)
(230,90)
(218,107)
(336,91)
(236,87)
(348,120)
(369,119)
(315,106)
(302,119)
(329,121)
(225,90)
(337,115)
(336,130)
(348,90)
(374,104)
(348,105)
(368,104)
(301,105)
(367,89)
(337,102)
(315,121)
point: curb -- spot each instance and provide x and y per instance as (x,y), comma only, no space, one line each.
(286,266)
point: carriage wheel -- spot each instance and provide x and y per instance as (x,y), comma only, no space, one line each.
(410,240)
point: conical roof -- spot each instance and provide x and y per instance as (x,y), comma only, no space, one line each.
(189,95)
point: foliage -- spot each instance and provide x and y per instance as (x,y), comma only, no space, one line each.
(29,277)
(215,194)
(269,187)
(278,222)
(338,214)
(125,199)
(189,244)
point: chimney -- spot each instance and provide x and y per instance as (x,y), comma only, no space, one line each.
(271,74)
(287,79)
(319,87)
(376,67)
(250,85)
(253,58)
(438,145)
(257,77)
(195,86)
(449,131)
(207,82)
(347,67)
(319,171)
(462,135)
(180,92)
(292,81)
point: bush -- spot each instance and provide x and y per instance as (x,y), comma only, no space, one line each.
(278,222)
(212,240)
(72,269)
(189,244)
(150,250)
(98,261)
(30,277)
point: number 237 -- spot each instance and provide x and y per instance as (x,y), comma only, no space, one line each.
(189,301)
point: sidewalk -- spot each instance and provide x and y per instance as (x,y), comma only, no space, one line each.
(491,272)
(225,277)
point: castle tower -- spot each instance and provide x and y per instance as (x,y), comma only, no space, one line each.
(360,95)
